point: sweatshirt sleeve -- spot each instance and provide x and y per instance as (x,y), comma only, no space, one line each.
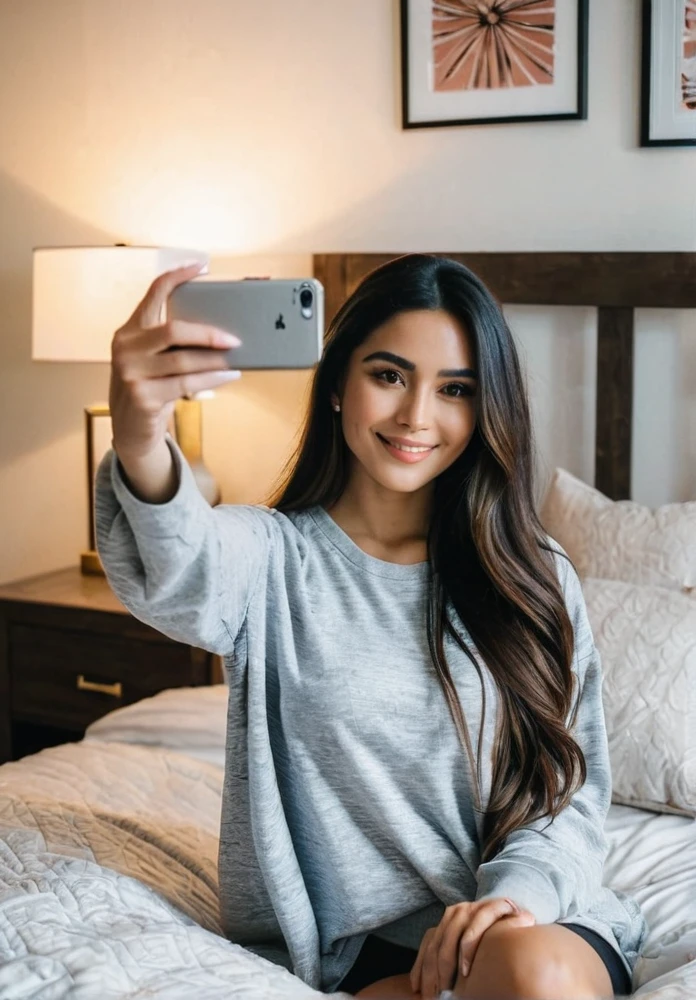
(183,567)
(555,870)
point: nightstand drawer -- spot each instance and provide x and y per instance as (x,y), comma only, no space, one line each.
(70,678)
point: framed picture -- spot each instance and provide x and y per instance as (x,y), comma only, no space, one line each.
(480,62)
(668,99)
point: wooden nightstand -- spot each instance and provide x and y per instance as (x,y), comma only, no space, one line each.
(70,652)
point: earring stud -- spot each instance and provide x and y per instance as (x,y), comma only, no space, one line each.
(337,407)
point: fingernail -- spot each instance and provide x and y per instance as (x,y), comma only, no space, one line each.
(464,968)
(227,376)
(228,339)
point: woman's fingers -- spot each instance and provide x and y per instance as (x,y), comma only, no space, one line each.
(435,968)
(186,362)
(174,348)
(132,341)
(441,952)
(179,333)
(485,917)
(417,970)
(164,390)
(447,959)
(179,362)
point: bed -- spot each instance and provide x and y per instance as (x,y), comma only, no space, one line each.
(108,846)
(108,868)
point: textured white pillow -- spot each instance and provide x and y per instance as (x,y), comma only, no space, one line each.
(620,539)
(190,720)
(646,637)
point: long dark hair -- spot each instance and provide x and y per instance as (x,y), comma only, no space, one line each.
(490,564)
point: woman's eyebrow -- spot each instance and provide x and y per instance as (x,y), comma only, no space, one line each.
(410,367)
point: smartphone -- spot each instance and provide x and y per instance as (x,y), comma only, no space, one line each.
(279,321)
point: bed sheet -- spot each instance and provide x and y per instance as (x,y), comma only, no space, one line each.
(653,857)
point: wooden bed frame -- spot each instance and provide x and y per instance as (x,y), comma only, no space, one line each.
(616,284)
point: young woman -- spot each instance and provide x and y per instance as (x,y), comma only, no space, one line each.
(396,604)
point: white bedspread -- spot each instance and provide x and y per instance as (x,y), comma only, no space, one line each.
(108,857)
(108,883)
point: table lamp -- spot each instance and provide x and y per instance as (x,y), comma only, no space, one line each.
(80,297)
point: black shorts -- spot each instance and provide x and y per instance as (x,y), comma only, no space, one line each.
(378,959)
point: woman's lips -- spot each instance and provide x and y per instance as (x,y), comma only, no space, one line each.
(405,456)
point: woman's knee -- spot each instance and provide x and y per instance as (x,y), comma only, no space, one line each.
(514,961)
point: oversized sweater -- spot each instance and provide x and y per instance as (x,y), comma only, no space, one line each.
(348,798)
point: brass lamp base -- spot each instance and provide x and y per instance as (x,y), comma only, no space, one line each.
(90,564)
(188,432)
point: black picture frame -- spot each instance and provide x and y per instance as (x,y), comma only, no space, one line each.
(652,65)
(578,113)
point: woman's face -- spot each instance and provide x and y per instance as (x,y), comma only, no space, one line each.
(412,382)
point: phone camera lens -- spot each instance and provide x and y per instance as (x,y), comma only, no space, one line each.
(306,300)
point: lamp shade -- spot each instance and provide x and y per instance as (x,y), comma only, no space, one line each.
(82,295)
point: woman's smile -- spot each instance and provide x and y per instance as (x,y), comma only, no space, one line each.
(406,453)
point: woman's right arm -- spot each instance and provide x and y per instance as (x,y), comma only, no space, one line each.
(148,376)
(176,563)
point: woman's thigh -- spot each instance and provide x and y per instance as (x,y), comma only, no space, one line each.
(519,963)
(534,963)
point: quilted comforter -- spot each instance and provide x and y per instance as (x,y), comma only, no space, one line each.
(108,881)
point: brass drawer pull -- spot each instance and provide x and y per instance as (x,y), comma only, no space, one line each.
(115,690)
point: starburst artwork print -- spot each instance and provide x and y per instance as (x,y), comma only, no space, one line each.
(688,78)
(484,62)
(493,43)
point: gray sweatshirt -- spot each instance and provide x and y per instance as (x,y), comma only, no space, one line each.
(347,800)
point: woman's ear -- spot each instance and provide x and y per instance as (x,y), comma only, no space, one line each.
(335,403)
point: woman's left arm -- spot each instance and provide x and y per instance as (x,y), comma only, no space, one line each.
(555,869)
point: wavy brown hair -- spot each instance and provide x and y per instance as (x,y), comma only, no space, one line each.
(492,582)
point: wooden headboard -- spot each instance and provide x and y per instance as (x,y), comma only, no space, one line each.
(615,283)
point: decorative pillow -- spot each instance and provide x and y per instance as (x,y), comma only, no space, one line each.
(190,720)
(620,539)
(646,637)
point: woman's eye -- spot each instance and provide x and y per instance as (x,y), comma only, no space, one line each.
(382,375)
(463,390)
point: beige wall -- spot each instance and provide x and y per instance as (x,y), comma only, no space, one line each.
(271,130)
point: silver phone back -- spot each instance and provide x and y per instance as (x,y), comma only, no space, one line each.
(267,316)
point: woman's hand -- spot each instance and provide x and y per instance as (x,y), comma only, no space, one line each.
(148,376)
(450,947)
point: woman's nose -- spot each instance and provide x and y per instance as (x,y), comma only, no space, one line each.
(414,410)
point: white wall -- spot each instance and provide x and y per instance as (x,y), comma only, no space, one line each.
(272,130)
